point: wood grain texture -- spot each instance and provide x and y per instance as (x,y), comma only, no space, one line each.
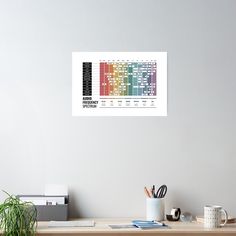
(102,228)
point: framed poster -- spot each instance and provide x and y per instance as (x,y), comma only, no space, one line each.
(119,84)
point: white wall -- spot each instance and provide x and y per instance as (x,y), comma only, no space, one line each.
(106,161)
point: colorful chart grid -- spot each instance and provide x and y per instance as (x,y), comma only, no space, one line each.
(128,78)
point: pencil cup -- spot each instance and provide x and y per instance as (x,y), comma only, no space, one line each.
(155,209)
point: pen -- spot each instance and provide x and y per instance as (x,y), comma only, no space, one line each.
(147,192)
(153,191)
(160,223)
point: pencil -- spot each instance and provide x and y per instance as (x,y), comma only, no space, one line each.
(151,193)
(147,192)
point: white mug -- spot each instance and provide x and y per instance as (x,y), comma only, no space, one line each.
(213,216)
(155,209)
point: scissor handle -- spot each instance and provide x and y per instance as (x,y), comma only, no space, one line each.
(161,192)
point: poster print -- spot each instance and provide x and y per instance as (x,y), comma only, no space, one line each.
(119,84)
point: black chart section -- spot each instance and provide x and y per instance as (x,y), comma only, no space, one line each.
(87,78)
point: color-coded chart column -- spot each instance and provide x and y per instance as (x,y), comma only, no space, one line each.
(102,78)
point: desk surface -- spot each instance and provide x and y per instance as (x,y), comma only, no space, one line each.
(102,228)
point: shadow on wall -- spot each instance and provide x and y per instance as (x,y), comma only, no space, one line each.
(185,201)
(74,204)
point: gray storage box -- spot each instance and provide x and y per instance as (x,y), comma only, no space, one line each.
(51,212)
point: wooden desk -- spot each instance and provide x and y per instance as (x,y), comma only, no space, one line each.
(102,228)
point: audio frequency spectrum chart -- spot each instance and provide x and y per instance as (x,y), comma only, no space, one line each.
(128,78)
(119,83)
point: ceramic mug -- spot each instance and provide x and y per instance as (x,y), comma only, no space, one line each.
(213,216)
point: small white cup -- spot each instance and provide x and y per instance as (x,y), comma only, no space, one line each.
(155,209)
(213,216)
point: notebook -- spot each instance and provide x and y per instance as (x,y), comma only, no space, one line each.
(231,219)
(145,224)
(119,226)
(74,223)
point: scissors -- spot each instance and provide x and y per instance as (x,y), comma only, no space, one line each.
(161,192)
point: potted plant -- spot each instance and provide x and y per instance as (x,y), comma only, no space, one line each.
(17,218)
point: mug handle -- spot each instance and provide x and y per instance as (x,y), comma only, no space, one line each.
(226,217)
